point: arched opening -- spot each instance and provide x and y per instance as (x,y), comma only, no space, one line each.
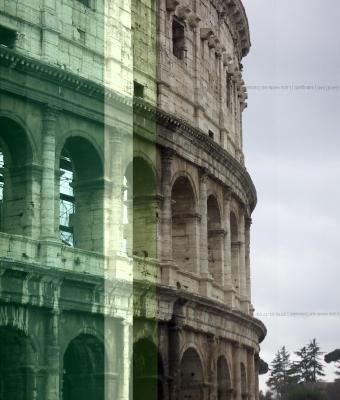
(140,209)
(191,385)
(148,372)
(81,189)
(235,251)
(224,390)
(18,207)
(215,240)
(244,391)
(84,369)
(184,225)
(17,366)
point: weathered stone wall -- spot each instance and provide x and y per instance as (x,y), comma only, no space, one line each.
(195,87)
(175,251)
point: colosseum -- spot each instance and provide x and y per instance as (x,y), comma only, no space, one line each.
(125,205)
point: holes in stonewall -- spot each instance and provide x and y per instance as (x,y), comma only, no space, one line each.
(7,37)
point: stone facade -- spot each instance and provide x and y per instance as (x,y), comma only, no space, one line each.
(125,203)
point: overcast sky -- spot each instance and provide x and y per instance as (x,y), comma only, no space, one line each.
(292,150)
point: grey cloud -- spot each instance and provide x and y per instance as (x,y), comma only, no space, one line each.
(292,147)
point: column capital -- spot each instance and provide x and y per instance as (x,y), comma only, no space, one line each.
(204,174)
(227,194)
(167,154)
(50,112)
(116,134)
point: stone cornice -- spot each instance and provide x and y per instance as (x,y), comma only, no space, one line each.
(214,307)
(34,67)
(204,142)
(14,60)
(237,15)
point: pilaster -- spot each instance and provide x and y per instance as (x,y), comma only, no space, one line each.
(113,209)
(206,279)
(251,374)
(48,184)
(54,377)
(166,219)
(242,265)
(237,371)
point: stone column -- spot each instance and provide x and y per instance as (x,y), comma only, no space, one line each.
(175,331)
(212,367)
(242,264)
(251,375)
(52,358)
(206,278)
(256,367)
(227,243)
(124,372)
(247,261)
(204,225)
(113,231)
(237,371)
(47,211)
(166,220)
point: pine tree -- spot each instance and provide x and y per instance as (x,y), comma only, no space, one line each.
(315,365)
(280,379)
(301,367)
(309,367)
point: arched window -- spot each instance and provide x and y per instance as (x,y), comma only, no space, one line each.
(215,239)
(83,366)
(224,390)
(18,359)
(148,372)
(184,225)
(81,189)
(18,198)
(191,386)
(235,251)
(178,40)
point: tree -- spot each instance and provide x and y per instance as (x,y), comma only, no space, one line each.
(337,371)
(301,368)
(280,378)
(309,367)
(304,393)
(315,365)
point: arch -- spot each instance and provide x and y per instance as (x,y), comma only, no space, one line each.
(185,175)
(86,159)
(224,390)
(81,189)
(17,138)
(191,376)
(140,208)
(235,250)
(184,225)
(84,366)
(79,136)
(18,361)
(17,203)
(141,177)
(215,239)
(148,371)
(85,330)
